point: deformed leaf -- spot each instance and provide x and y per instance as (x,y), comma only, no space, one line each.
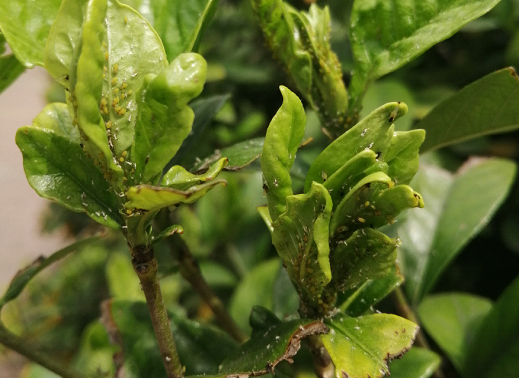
(201,347)
(23,277)
(152,198)
(174,229)
(178,178)
(370,293)
(362,347)
(366,254)
(416,363)
(386,35)
(284,135)
(165,119)
(402,155)
(26,27)
(453,320)
(453,216)
(58,169)
(366,134)
(265,350)
(486,106)
(301,238)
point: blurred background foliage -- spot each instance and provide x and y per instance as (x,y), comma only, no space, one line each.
(60,308)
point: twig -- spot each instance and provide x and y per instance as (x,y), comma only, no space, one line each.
(190,270)
(146,267)
(405,310)
(19,345)
(323,364)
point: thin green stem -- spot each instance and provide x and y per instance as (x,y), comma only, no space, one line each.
(19,345)
(405,310)
(146,266)
(190,270)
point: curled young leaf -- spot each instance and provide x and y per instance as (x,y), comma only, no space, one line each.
(284,135)
(178,178)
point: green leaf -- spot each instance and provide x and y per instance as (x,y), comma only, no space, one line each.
(493,351)
(266,349)
(26,27)
(178,178)
(264,214)
(86,88)
(240,155)
(416,363)
(246,295)
(23,277)
(181,24)
(453,216)
(301,239)
(371,132)
(165,119)
(284,135)
(153,198)
(361,347)
(486,106)
(452,320)
(402,155)
(201,347)
(96,354)
(167,232)
(10,69)
(366,254)
(57,168)
(122,281)
(285,301)
(385,35)
(370,293)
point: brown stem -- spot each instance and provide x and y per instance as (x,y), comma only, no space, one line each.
(146,267)
(405,310)
(323,364)
(191,272)
(19,345)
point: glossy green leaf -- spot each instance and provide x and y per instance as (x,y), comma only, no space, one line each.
(86,86)
(178,178)
(284,135)
(23,277)
(57,168)
(453,215)
(385,35)
(370,132)
(153,198)
(361,347)
(453,320)
(165,119)
(181,24)
(301,239)
(266,349)
(416,363)
(26,27)
(494,349)
(10,69)
(246,295)
(201,347)
(240,155)
(486,106)
(370,293)
(205,110)
(366,254)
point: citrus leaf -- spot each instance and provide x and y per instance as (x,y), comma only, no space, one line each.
(386,35)
(26,27)
(10,69)
(201,347)
(284,135)
(453,216)
(165,119)
(452,320)
(23,277)
(57,168)
(178,178)
(416,363)
(486,106)
(301,239)
(362,347)
(153,198)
